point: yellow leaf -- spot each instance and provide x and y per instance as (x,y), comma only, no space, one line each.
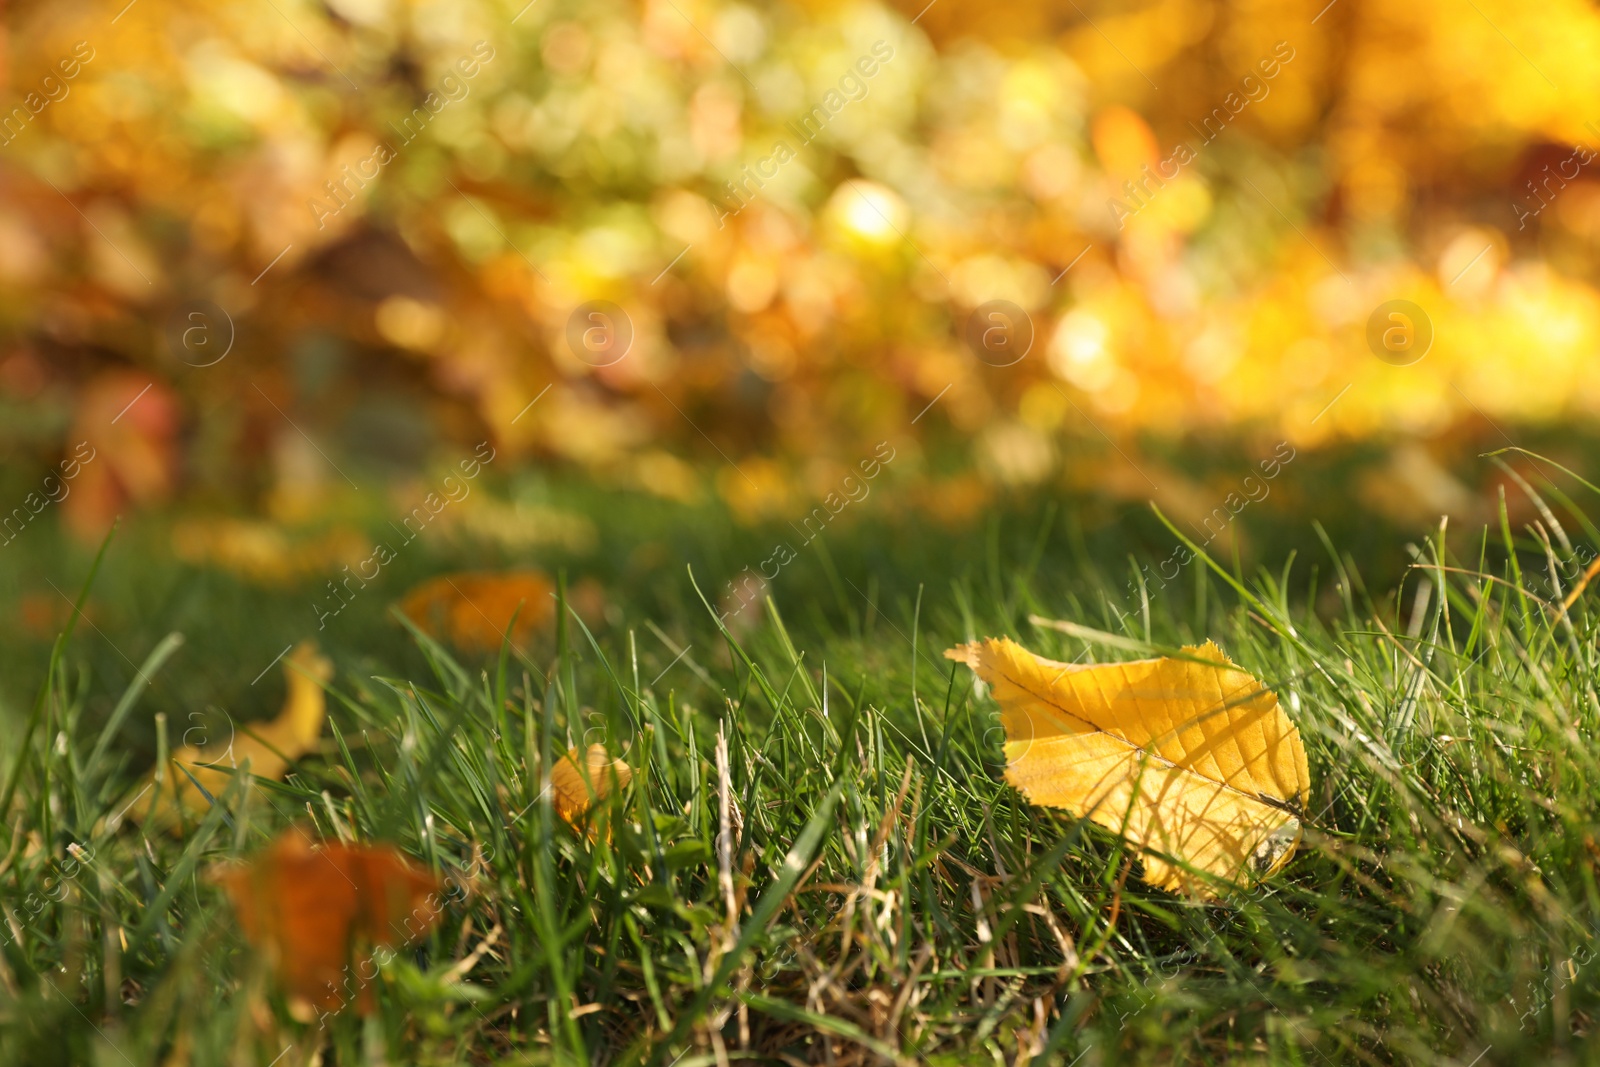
(268,747)
(1185,759)
(573,795)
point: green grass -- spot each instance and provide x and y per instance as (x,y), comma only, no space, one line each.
(874,892)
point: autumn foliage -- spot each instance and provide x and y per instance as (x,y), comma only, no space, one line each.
(382,221)
(322,912)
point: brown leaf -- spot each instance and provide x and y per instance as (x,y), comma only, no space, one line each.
(318,910)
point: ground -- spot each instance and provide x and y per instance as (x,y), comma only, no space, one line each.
(817,859)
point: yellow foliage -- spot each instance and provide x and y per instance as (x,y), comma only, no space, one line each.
(1150,204)
(263,552)
(1190,760)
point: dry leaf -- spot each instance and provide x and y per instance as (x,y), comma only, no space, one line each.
(269,747)
(474,610)
(522,526)
(573,795)
(45,615)
(129,425)
(1198,762)
(317,912)
(264,552)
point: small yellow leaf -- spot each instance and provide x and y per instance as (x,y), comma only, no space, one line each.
(573,795)
(269,748)
(1190,760)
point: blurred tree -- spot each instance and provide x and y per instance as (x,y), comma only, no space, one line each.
(405,218)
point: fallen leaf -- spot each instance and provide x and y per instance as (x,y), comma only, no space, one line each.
(474,610)
(954,502)
(521,526)
(1414,487)
(264,552)
(1190,760)
(318,911)
(268,747)
(46,614)
(129,425)
(574,796)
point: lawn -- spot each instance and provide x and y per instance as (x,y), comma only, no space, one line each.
(816,859)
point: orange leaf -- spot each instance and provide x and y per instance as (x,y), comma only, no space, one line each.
(574,793)
(130,424)
(316,912)
(474,610)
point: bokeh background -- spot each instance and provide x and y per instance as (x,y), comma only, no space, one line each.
(282,266)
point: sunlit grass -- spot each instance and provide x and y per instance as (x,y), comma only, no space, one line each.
(816,860)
